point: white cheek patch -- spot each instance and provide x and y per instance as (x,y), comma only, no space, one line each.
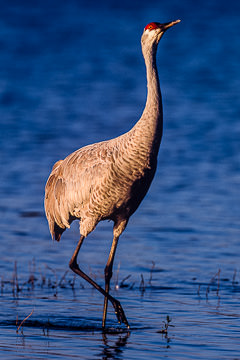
(149,32)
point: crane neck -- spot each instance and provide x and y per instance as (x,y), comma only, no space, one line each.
(150,125)
(154,99)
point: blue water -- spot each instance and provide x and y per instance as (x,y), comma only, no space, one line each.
(73,74)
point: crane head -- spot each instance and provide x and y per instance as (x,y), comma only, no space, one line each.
(162,27)
(154,31)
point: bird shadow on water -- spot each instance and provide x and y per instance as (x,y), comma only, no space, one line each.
(81,326)
(114,339)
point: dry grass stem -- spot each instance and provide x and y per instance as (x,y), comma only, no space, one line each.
(23,321)
(151,273)
(217,275)
(15,288)
(234,282)
(142,286)
(123,281)
(62,280)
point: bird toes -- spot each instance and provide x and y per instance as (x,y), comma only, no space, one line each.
(120,314)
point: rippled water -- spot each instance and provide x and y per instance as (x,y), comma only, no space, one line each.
(72,74)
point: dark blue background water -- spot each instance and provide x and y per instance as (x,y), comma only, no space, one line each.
(72,73)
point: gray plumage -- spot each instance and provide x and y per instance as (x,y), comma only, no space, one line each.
(109,179)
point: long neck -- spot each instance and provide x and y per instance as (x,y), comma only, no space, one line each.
(150,125)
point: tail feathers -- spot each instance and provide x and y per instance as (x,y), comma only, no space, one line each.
(57,232)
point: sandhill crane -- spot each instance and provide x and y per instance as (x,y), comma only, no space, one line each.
(109,179)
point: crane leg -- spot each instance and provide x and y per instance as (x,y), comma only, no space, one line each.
(108,276)
(75,268)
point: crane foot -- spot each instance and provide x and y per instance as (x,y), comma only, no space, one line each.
(120,313)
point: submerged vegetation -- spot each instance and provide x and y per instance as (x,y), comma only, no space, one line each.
(48,277)
(45,278)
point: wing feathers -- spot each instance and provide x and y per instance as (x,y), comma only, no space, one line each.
(71,184)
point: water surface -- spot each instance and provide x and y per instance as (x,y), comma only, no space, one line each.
(73,74)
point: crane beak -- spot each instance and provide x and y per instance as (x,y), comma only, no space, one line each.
(166,26)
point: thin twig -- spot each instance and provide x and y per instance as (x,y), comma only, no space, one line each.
(54,272)
(2,285)
(24,320)
(151,273)
(43,277)
(142,285)
(72,282)
(123,280)
(62,279)
(234,282)
(16,288)
(211,281)
(32,270)
(166,326)
(218,282)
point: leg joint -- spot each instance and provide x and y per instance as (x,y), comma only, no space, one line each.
(73,264)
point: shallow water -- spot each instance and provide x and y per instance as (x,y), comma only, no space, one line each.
(73,74)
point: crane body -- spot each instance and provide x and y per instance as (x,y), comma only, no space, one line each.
(109,179)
